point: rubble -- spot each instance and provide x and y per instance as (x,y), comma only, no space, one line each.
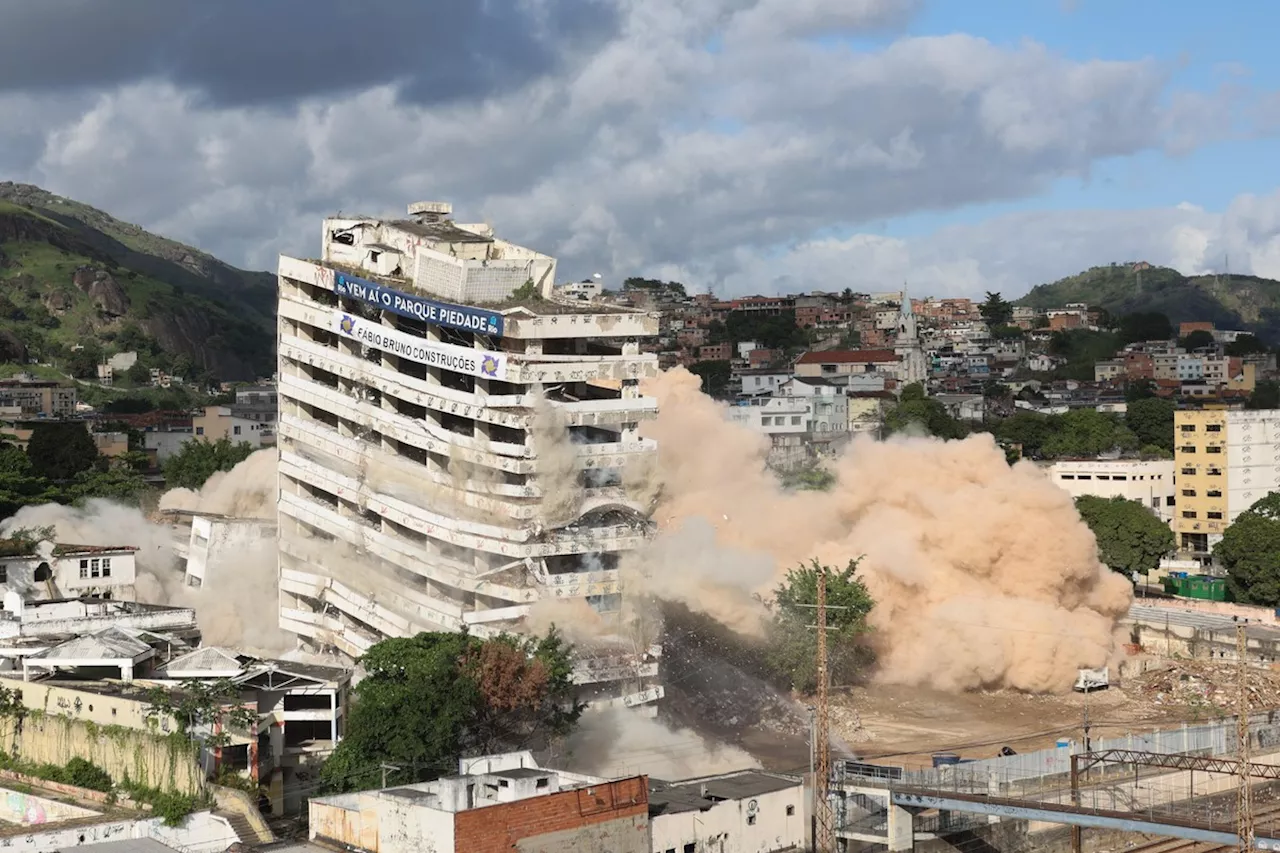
(1203,683)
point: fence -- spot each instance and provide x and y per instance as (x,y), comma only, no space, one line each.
(990,775)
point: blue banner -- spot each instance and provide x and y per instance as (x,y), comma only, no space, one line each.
(427,310)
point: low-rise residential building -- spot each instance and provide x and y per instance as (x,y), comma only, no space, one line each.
(1106,371)
(715,352)
(749,811)
(1149,482)
(46,570)
(111,444)
(867,410)
(499,802)
(773,415)
(831,363)
(760,382)
(38,397)
(828,405)
(219,422)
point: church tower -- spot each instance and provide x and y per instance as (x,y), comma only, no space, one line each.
(912,366)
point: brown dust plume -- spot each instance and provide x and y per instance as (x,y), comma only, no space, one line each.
(984,575)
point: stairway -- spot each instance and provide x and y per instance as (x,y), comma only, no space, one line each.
(242,827)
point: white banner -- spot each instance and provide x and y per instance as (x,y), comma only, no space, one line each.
(371,333)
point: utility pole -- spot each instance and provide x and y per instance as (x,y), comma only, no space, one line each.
(385,768)
(1244,800)
(825,831)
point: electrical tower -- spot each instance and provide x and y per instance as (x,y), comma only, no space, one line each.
(824,840)
(1244,800)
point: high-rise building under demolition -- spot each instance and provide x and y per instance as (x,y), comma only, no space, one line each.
(456,446)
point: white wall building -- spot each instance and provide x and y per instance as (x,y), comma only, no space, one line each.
(762,382)
(749,811)
(1150,483)
(418,439)
(217,539)
(55,571)
(828,404)
(773,415)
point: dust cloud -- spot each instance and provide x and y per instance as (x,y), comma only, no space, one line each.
(984,575)
(237,606)
(620,742)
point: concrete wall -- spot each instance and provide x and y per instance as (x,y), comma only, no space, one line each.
(726,827)
(23,808)
(150,759)
(612,817)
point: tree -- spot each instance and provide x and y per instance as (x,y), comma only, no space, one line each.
(924,413)
(428,699)
(1087,432)
(1245,345)
(995,310)
(138,374)
(1145,326)
(1198,339)
(792,652)
(1131,538)
(1151,420)
(1250,552)
(59,450)
(715,377)
(83,363)
(121,484)
(1266,395)
(1026,429)
(200,459)
(208,711)
(1139,389)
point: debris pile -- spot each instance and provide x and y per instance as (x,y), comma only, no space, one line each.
(1209,684)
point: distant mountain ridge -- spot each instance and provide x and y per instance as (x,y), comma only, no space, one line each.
(1243,302)
(72,274)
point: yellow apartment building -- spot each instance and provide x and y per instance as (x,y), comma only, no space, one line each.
(1225,460)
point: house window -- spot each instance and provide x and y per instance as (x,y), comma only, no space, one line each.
(199,430)
(1213,428)
(1086,477)
(791,811)
(1189,471)
(766,421)
(751,820)
(795,420)
(1187,449)
(106,567)
(84,568)
(1168,501)
(1188,493)
(690,848)
(1104,476)
(1188,427)
(1214,449)
(1214,493)
(236,429)
(1120,477)
(1214,514)
(95,567)
(1068,476)
(1188,513)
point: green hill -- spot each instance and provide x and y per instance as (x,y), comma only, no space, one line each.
(71,274)
(1232,302)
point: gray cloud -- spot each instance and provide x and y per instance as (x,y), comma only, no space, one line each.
(238,52)
(646,152)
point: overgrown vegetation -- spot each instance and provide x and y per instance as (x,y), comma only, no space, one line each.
(200,459)
(1131,537)
(791,654)
(52,473)
(428,699)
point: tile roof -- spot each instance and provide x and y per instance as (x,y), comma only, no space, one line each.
(860,356)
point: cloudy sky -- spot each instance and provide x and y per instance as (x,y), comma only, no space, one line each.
(738,145)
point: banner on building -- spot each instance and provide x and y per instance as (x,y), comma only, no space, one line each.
(475,362)
(427,310)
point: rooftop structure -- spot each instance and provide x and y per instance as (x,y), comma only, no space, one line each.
(452,464)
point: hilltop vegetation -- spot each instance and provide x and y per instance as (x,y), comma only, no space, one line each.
(1231,302)
(72,275)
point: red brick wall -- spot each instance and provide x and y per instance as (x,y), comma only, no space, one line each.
(497,828)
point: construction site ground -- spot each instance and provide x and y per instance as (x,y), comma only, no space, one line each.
(910,723)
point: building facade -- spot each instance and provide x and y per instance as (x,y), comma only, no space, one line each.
(456,464)
(42,397)
(1150,483)
(1227,460)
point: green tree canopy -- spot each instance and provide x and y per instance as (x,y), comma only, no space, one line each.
(59,450)
(1245,345)
(429,699)
(1028,429)
(1145,326)
(139,373)
(792,651)
(200,459)
(1139,389)
(918,411)
(771,331)
(1088,432)
(83,363)
(1250,552)
(1266,395)
(715,377)
(1131,538)
(995,310)
(1196,340)
(1151,420)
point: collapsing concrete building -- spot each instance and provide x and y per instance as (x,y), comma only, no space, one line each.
(454,442)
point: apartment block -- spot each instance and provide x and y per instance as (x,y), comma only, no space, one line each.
(42,397)
(1149,482)
(454,441)
(1226,461)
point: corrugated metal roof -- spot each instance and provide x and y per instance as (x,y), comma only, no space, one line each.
(108,644)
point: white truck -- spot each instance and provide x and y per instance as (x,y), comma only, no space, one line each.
(1092,679)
